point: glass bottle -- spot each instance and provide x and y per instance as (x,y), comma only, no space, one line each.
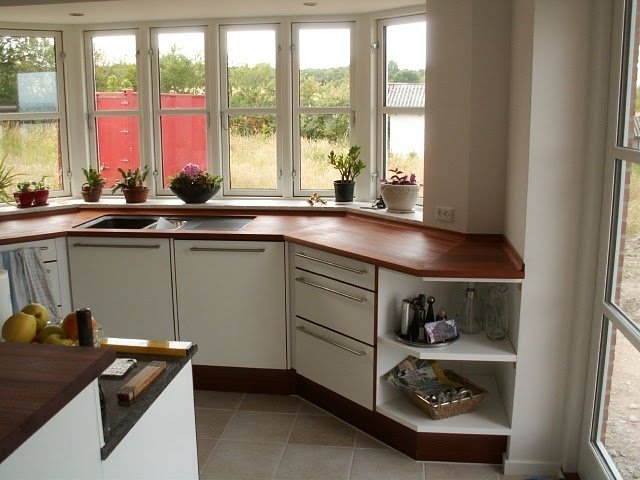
(469,321)
(497,312)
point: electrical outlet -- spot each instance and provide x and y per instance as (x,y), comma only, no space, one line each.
(445,214)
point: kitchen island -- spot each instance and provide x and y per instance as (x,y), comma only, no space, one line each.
(50,417)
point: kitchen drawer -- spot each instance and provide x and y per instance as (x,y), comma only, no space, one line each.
(341,364)
(47,248)
(334,266)
(52,272)
(336,305)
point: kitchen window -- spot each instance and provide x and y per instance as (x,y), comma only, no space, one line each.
(401,95)
(33,137)
(114,102)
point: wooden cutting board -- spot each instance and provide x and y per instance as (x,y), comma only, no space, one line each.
(142,380)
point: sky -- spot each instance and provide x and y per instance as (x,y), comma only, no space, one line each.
(320,49)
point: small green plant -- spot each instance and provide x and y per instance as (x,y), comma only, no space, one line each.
(40,185)
(24,186)
(131,179)
(7,178)
(349,165)
(93,178)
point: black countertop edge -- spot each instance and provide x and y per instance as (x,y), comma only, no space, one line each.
(122,417)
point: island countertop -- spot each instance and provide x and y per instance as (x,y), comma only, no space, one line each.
(37,381)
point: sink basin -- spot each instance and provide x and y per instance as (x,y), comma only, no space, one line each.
(137,222)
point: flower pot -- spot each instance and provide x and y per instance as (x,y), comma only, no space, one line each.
(195,195)
(24,199)
(40,197)
(135,195)
(91,194)
(344,190)
(399,198)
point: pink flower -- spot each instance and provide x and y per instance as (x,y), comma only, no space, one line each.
(192,170)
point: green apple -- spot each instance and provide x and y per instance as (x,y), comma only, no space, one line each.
(20,328)
(49,330)
(38,311)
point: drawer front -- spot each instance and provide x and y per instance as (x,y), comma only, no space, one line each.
(47,248)
(340,364)
(336,305)
(344,269)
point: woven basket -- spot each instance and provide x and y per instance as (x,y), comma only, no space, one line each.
(91,194)
(135,195)
(438,411)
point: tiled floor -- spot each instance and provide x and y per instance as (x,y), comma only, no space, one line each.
(251,436)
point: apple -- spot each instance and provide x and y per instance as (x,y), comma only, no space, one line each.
(20,328)
(49,330)
(38,311)
(57,339)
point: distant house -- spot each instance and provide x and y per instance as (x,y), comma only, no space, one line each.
(407,133)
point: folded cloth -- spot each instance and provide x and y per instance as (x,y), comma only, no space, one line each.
(28,279)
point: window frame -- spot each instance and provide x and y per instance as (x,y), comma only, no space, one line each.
(60,115)
(297,109)
(383,110)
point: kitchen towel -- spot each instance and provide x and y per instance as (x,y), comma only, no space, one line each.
(5,297)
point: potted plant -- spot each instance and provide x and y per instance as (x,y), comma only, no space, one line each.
(349,166)
(194,185)
(132,185)
(25,195)
(7,178)
(41,192)
(92,188)
(400,191)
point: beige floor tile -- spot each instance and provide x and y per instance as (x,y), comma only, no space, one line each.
(461,471)
(270,403)
(322,430)
(378,464)
(243,460)
(205,448)
(308,408)
(220,400)
(311,462)
(259,427)
(211,423)
(366,441)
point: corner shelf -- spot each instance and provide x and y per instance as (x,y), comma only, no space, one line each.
(489,418)
(468,348)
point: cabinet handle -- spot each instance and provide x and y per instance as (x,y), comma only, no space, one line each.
(331,264)
(240,250)
(331,290)
(331,342)
(113,245)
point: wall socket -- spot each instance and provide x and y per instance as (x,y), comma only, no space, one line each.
(445,214)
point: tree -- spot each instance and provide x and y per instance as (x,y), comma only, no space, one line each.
(180,74)
(395,75)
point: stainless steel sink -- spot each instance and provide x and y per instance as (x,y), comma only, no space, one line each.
(151,222)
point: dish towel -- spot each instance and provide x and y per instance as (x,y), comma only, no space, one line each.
(28,280)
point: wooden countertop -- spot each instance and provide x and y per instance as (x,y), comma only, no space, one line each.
(419,251)
(37,381)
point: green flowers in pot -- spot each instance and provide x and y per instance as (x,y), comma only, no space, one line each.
(92,188)
(349,166)
(132,185)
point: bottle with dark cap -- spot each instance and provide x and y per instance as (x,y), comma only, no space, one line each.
(85,327)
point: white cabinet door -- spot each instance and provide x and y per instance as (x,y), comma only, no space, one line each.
(231,301)
(126,282)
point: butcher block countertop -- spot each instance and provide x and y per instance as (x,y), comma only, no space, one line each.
(411,249)
(37,381)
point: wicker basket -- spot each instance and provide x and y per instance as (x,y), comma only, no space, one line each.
(135,195)
(457,407)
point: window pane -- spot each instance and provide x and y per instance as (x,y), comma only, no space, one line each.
(251,68)
(618,432)
(253,152)
(184,140)
(624,290)
(118,145)
(28,81)
(319,134)
(114,71)
(324,78)
(404,144)
(182,70)
(406,58)
(32,147)
(629,136)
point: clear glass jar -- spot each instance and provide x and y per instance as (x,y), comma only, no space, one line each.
(496,312)
(469,321)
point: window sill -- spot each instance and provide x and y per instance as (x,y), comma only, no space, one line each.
(360,208)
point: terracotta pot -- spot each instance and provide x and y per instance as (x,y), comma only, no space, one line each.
(195,195)
(344,190)
(91,194)
(24,199)
(135,195)
(41,197)
(400,198)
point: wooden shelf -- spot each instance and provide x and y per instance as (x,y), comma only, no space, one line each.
(488,419)
(471,280)
(474,348)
